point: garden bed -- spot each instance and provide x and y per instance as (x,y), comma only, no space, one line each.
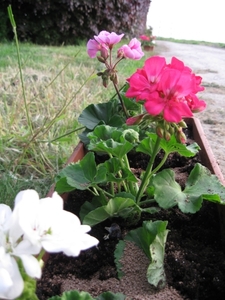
(194,259)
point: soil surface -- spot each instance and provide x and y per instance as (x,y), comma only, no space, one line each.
(209,63)
(194,260)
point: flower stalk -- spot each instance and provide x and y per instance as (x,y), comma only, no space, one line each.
(148,172)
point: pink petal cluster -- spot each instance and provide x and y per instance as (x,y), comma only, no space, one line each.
(169,90)
(144,37)
(103,42)
(132,50)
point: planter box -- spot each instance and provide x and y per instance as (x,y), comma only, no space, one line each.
(206,155)
(148,48)
(178,263)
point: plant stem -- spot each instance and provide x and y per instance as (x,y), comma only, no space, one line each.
(147,201)
(103,191)
(160,164)
(121,100)
(13,23)
(41,254)
(148,172)
(67,133)
(132,186)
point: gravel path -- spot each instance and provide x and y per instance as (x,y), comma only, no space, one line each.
(209,63)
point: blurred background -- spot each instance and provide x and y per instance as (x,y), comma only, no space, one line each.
(200,20)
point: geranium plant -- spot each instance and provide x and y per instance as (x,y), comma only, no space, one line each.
(147,39)
(147,116)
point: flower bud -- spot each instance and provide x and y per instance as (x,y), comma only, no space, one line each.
(167,126)
(99,73)
(167,136)
(182,124)
(135,120)
(105,78)
(171,130)
(105,81)
(181,137)
(114,78)
(160,131)
(101,59)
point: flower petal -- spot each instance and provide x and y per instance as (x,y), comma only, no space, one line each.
(11,282)
(31,265)
(5,214)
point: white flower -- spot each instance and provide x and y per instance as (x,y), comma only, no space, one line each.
(45,224)
(11,282)
(32,225)
(12,246)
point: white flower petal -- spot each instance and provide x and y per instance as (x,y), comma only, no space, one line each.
(5,214)
(26,204)
(52,204)
(68,236)
(11,282)
(85,228)
(79,243)
(31,265)
(26,196)
(5,282)
(26,247)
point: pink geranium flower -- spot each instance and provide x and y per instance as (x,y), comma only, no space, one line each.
(108,38)
(168,99)
(145,80)
(132,50)
(169,90)
(103,42)
(93,47)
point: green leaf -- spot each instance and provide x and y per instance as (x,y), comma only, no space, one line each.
(81,175)
(116,205)
(62,185)
(134,107)
(173,146)
(141,238)
(202,182)
(101,113)
(167,191)
(76,295)
(200,185)
(125,195)
(111,296)
(114,167)
(107,139)
(114,208)
(96,216)
(71,295)
(87,207)
(118,254)
(150,210)
(151,238)
(147,146)
(156,273)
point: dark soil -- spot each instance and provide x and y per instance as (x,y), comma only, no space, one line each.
(194,260)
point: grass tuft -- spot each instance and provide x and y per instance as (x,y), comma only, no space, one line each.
(59,82)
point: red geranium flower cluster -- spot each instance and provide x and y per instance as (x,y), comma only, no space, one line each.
(168,90)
